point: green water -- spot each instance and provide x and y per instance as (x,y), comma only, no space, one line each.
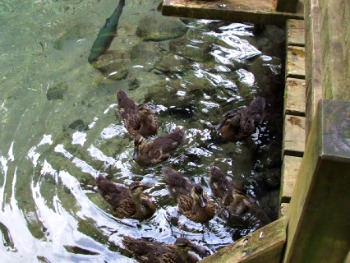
(52,148)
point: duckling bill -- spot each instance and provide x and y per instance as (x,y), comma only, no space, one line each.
(138,119)
(148,153)
(128,202)
(154,252)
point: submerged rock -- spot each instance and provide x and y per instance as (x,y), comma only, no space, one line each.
(196,51)
(156,27)
(56,92)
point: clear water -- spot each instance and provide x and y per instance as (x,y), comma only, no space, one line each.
(52,150)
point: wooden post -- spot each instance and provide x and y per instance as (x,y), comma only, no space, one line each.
(319,212)
(287,5)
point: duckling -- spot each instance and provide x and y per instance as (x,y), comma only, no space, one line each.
(138,119)
(238,203)
(237,125)
(158,150)
(196,206)
(154,252)
(219,183)
(177,184)
(191,200)
(232,199)
(128,202)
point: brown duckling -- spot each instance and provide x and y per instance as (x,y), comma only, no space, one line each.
(129,202)
(191,200)
(233,199)
(138,119)
(154,252)
(156,151)
(177,184)
(238,125)
(219,183)
(196,206)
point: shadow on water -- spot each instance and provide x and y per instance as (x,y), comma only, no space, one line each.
(59,130)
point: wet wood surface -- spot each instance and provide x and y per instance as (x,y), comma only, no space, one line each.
(294,135)
(290,169)
(252,11)
(295,102)
(264,245)
(295,32)
(295,65)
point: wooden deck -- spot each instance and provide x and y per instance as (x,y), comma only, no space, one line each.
(252,11)
(294,110)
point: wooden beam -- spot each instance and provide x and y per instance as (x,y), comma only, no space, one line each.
(264,245)
(252,11)
(319,211)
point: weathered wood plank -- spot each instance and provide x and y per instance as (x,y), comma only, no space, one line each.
(295,65)
(313,60)
(334,47)
(253,11)
(264,245)
(290,169)
(319,211)
(294,135)
(295,102)
(283,210)
(295,32)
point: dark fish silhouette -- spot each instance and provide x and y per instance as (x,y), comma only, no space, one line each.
(106,34)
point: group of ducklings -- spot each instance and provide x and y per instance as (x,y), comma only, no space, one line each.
(132,202)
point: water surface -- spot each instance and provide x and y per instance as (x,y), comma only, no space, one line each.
(54,146)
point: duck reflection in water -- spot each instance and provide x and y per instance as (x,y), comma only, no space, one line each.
(138,119)
(237,125)
(148,153)
(146,251)
(128,202)
(192,202)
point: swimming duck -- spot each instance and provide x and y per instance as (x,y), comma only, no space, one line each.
(219,183)
(138,119)
(231,197)
(154,252)
(148,153)
(128,202)
(192,202)
(237,125)
(177,184)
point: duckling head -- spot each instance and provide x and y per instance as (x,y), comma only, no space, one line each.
(144,111)
(139,141)
(198,196)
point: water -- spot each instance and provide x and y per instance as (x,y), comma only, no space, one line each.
(53,145)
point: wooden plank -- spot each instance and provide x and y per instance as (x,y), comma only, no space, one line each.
(319,211)
(253,11)
(290,169)
(295,65)
(264,245)
(287,5)
(283,210)
(295,32)
(335,49)
(295,101)
(294,135)
(313,60)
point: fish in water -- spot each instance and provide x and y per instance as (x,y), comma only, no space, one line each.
(106,34)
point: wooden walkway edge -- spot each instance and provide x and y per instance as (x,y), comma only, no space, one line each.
(252,11)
